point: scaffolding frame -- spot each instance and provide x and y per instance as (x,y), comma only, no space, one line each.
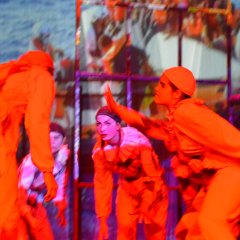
(129,78)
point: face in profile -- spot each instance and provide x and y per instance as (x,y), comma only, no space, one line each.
(163,92)
(57,141)
(107,128)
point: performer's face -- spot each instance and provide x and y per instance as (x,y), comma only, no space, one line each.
(108,128)
(164,94)
(57,140)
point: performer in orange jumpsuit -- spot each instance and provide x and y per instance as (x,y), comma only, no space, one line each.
(207,156)
(27,90)
(141,192)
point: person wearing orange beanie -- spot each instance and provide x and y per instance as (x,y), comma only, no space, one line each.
(27,90)
(207,156)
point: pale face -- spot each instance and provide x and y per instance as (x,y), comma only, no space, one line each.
(56,140)
(164,94)
(108,129)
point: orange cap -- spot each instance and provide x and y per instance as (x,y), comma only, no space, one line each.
(182,78)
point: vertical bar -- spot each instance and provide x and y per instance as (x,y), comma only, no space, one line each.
(128,53)
(229,73)
(76,222)
(180,19)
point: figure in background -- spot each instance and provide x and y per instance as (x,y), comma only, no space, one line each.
(41,39)
(206,161)
(45,220)
(27,89)
(141,194)
(92,49)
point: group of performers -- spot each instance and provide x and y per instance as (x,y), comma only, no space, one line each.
(206,162)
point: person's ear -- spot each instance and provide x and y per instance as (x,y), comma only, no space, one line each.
(178,94)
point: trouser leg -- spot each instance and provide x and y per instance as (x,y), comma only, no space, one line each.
(221,207)
(127,217)
(158,211)
(9,211)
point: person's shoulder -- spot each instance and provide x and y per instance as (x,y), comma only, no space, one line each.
(130,130)
(27,158)
(27,162)
(63,155)
(187,106)
(134,135)
(38,71)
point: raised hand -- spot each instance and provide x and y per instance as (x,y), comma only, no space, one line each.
(112,104)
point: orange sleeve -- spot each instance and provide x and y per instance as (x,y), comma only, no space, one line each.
(37,118)
(150,127)
(103,186)
(208,128)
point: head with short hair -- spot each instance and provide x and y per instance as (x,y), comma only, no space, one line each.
(55,127)
(108,125)
(182,78)
(107,112)
(175,84)
(57,136)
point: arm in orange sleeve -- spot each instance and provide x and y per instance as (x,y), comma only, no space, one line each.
(152,128)
(37,119)
(103,186)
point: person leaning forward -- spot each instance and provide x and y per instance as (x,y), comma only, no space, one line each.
(26,90)
(207,156)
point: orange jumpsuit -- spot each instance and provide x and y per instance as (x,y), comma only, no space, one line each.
(207,164)
(27,90)
(141,190)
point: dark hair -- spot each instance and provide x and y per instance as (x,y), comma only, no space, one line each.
(55,127)
(106,111)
